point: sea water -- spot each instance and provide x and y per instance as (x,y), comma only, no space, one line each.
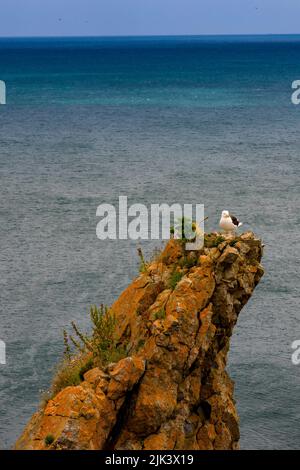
(205,120)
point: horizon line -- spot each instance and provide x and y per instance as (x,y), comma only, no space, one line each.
(145,35)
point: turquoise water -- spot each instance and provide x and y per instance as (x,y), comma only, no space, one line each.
(185,119)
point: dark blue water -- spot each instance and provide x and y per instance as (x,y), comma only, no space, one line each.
(186,119)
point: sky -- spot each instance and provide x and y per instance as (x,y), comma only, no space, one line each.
(147,17)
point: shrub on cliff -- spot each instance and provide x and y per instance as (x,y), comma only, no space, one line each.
(87,351)
(69,373)
(102,343)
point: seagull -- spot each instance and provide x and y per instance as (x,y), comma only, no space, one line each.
(229,223)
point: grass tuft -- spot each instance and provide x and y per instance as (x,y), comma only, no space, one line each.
(160,315)
(102,343)
(70,373)
(143,265)
(83,352)
(213,241)
(49,439)
(176,276)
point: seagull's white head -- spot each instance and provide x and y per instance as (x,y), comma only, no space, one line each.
(225,214)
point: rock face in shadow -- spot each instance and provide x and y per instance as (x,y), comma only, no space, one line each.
(172,391)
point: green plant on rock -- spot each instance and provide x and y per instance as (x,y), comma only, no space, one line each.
(212,240)
(69,373)
(86,366)
(49,439)
(67,350)
(160,315)
(176,276)
(188,261)
(218,240)
(143,265)
(186,228)
(83,352)
(102,343)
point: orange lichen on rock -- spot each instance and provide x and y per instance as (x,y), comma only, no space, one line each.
(172,391)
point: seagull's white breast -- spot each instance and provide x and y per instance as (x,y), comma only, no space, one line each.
(226,224)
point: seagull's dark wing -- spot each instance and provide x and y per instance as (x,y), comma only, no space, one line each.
(235,221)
